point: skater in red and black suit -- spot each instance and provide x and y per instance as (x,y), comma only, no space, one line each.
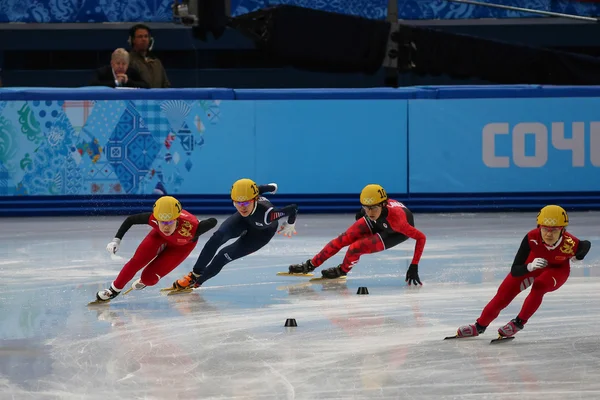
(381,224)
(173,236)
(542,262)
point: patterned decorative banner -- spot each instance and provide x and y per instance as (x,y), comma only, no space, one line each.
(160,10)
(100,147)
(196,147)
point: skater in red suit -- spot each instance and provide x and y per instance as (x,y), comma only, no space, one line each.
(381,224)
(173,236)
(542,262)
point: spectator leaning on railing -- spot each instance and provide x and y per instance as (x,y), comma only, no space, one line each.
(150,67)
(118,73)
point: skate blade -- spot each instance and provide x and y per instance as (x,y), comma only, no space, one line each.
(341,278)
(127,291)
(291,274)
(502,339)
(180,291)
(168,289)
(98,302)
(452,337)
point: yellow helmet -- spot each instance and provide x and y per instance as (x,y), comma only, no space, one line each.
(372,195)
(244,190)
(167,208)
(553,216)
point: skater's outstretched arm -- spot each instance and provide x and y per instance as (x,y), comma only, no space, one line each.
(288,227)
(135,219)
(203,227)
(273,214)
(519,266)
(270,188)
(399,223)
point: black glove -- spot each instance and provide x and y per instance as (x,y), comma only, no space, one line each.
(583,249)
(412,275)
(203,227)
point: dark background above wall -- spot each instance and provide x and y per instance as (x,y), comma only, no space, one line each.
(64,55)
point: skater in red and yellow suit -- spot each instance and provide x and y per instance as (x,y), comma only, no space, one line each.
(173,236)
(381,224)
(542,262)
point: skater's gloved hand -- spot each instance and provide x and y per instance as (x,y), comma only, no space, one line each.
(412,275)
(287,229)
(113,246)
(273,184)
(582,250)
(537,263)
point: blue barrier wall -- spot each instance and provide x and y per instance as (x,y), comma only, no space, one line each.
(106,151)
(504,145)
(61,11)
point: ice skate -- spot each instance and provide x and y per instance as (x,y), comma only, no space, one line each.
(184,285)
(137,285)
(510,329)
(106,295)
(302,269)
(465,331)
(331,273)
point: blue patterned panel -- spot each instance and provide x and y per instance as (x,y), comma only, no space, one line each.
(153,117)
(76,147)
(7,185)
(175,112)
(131,150)
(142,150)
(85,10)
(47,173)
(160,10)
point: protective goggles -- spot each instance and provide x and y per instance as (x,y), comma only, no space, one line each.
(551,228)
(168,222)
(369,208)
(243,203)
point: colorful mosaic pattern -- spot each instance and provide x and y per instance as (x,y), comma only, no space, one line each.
(160,10)
(100,147)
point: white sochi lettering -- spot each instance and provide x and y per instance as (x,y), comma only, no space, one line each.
(540,155)
(576,143)
(595,143)
(489,145)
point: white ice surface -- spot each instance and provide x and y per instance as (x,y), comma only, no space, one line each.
(228,340)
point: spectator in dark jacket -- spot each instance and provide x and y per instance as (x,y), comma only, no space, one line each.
(118,73)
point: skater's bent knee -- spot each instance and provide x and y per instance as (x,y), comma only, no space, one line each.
(224,256)
(149,279)
(543,286)
(218,235)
